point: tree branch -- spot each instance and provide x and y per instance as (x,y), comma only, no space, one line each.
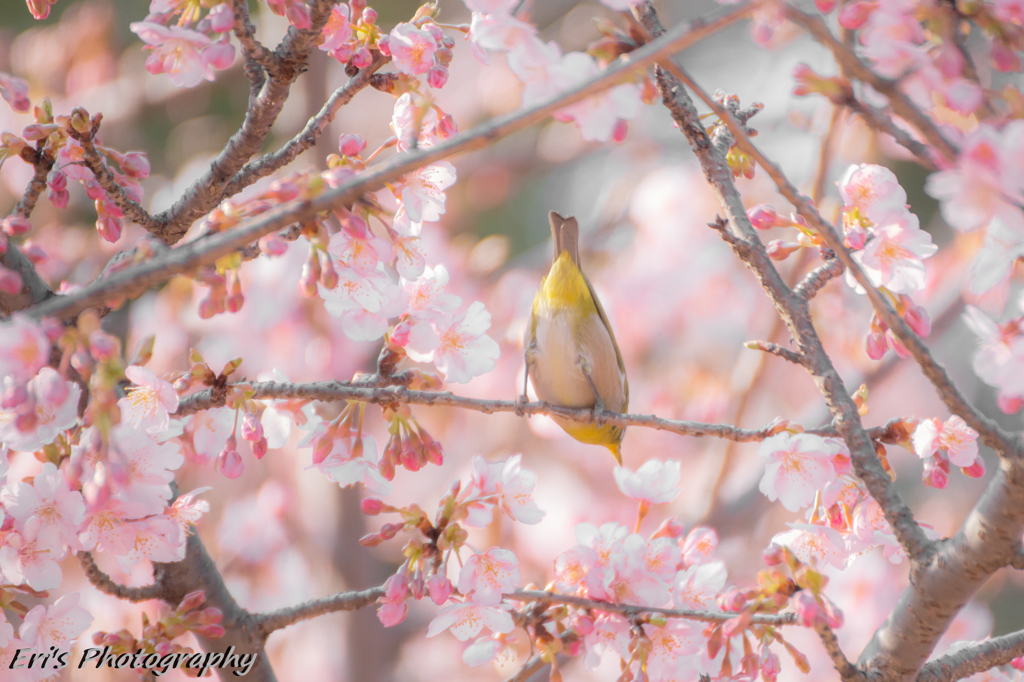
(750,249)
(245,32)
(848,672)
(94,160)
(877,119)
(901,104)
(974,659)
(104,583)
(816,279)
(776,349)
(633,610)
(207,250)
(268,163)
(33,289)
(344,601)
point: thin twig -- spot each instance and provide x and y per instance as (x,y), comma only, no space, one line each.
(901,104)
(633,609)
(880,121)
(776,349)
(33,288)
(816,279)
(344,601)
(268,163)
(246,33)
(104,583)
(206,251)
(749,248)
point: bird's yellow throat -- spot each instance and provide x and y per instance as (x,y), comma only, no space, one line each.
(565,287)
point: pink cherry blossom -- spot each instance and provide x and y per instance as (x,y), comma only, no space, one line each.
(48,498)
(209,430)
(346,470)
(364,303)
(154,538)
(489,575)
(15,92)
(611,634)
(338,29)
(31,555)
(697,586)
(893,257)
(422,192)
(999,361)
(142,469)
(186,56)
(655,482)
(954,436)
(873,190)
(814,544)
(150,400)
(393,607)
(699,545)
(427,297)
(597,116)
(412,49)
(469,618)
(986,180)
(55,409)
(413,118)
(357,247)
(58,625)
(24,348)
(798,466)
(458,346)
(671,647)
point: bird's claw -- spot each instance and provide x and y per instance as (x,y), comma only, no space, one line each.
(520,401)
(597,412)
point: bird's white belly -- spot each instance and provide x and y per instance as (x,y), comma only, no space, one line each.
(555,370)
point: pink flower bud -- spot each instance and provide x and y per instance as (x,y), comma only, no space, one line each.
(933,476)
(1009,404)
(15,225)
(371,540)
(328,275)
(444,56)
(976,470)
(343,53)
(440,588)
(369,16)
(781,250)
(59,199)
(808,611)
(362,58)
(221,19)
(135,165)
(855,238)
(416,586)
(669,528)
(620,131)
(109,228)
(229,463)
(855,14)
(298,15)
(350,144)
(763,217)
(57,180)
(584,625)
(34,252)
(210,631)
(770,666)
(103,346)
(825,6)
(383,46)
(772,555)
(389,530)
(917,319)
(1017,663)
(896,344)
(308,280)
(259,448)
(10,281)
(252,429)
(371,506)
(446,126)
(437,76)
(192,601)
(875,345)
(397,586)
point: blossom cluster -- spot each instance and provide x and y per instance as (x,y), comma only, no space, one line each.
(189,51)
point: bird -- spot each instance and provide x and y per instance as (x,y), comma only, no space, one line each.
(569,347)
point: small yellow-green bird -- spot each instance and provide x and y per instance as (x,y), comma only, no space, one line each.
(569,347)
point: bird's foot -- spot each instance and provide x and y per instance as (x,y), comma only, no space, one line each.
(597,412)
(520,401)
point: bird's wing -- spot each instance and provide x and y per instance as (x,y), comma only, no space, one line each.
(611,335)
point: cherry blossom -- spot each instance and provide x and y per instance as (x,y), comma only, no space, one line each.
(504,483)
(150,400)
(31,555)
(142,468)
(412,49)
(468,619)
(655,482)
(489,575)
(422,192)
(798,466)
(873,190)
(359,248)
(955,437)
(24,348)
(364,303)
(186,56)
(15,92)
(893,257)
(699,545)
(457,346)
(57,625)
(48,498)
(597,116)
(697,586)
(999,361)
(53,404)
(346,470)
(671,646)
(814,544)
(427,297)
(985,183)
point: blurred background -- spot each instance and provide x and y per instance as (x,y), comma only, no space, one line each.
(681,304)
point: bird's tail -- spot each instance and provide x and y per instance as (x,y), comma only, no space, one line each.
(616,449)
(565,233)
